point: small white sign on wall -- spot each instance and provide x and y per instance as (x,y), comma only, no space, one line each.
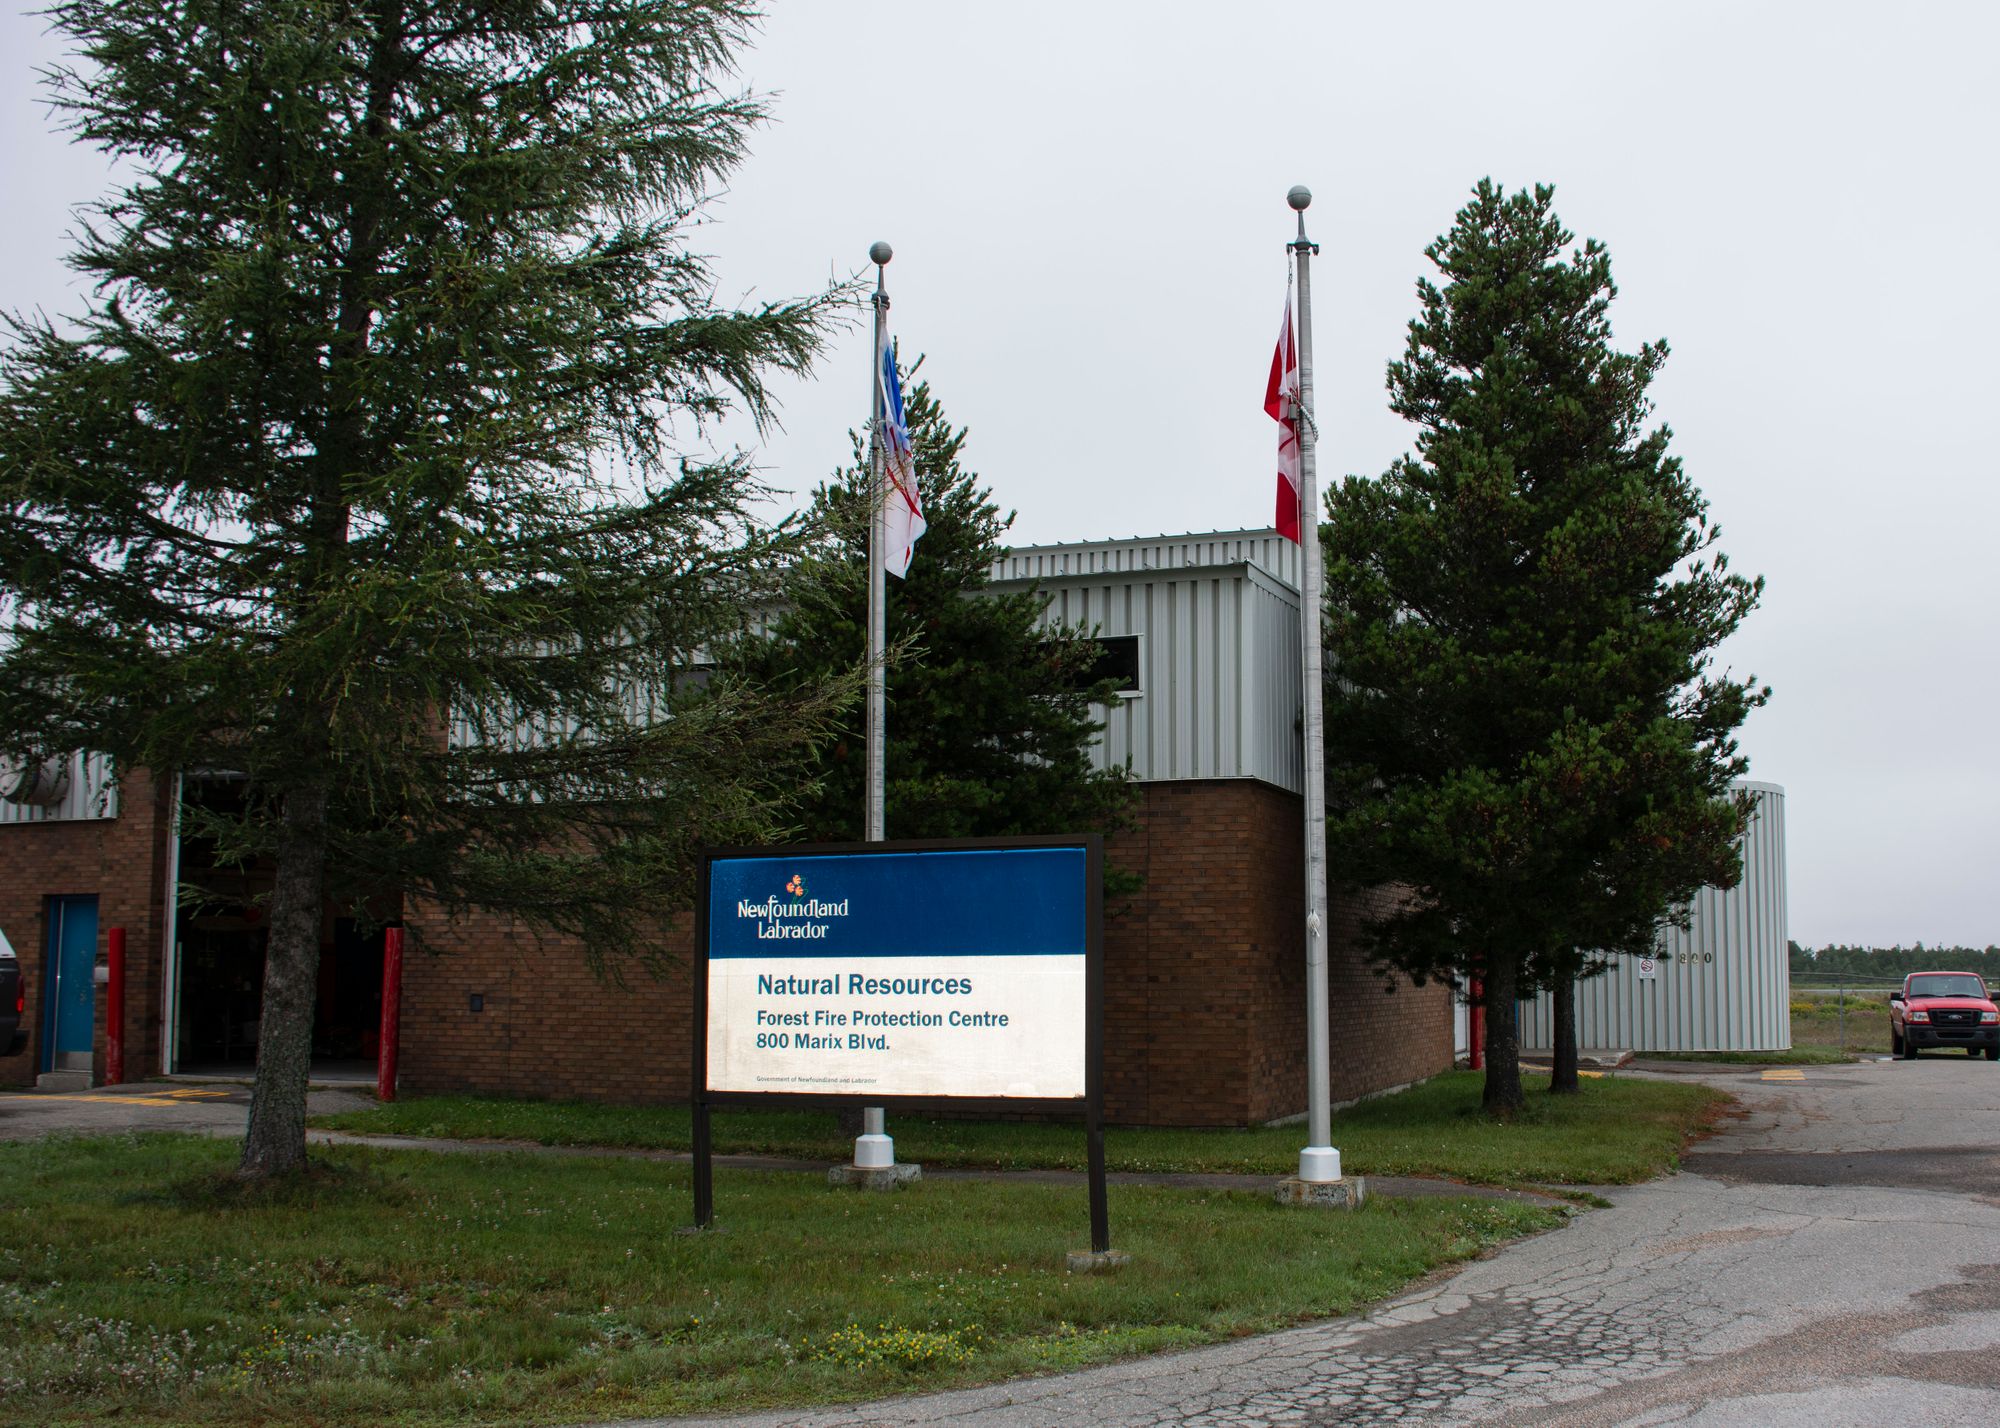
(1649,967)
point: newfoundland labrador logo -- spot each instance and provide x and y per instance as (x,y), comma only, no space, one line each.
(802,920)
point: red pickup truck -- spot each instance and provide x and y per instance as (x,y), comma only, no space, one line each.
(1943,1009)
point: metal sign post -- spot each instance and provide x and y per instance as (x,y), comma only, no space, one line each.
(966,973)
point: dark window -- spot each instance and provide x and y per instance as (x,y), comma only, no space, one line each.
(1118,661)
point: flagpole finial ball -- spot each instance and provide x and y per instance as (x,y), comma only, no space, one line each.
(1299,197)
(880,253)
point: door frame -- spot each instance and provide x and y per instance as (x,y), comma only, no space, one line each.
(56,909)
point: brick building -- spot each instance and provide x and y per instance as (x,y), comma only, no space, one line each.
(1206,1016)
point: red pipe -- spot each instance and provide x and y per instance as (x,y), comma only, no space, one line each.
(114,1008)
(392,1014)
(1476,1057)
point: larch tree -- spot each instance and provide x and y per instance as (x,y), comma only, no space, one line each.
(373,471)
(1525,729)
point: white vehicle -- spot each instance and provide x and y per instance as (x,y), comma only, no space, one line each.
(13,1002)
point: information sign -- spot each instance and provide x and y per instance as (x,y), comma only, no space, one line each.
(942,972)
(903,974)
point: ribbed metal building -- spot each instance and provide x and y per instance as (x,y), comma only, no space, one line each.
(1723,984)
(76,787)
(1211,625)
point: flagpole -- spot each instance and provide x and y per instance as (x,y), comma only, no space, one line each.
(873,1148)
(1319,1162)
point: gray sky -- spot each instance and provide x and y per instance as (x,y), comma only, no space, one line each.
(1087,206)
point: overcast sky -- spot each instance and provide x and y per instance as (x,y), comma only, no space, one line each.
(1087,206)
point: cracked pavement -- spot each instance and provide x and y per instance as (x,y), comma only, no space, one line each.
(1831,1257)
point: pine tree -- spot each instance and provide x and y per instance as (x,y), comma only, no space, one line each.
(1523,725)
(989,720)
(358,476)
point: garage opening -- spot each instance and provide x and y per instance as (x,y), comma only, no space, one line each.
(220,936)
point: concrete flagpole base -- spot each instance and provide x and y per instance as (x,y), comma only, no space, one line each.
(875,1177)
(1345,1194)
(1095,1261)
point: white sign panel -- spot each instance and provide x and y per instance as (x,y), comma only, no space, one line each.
(956,973)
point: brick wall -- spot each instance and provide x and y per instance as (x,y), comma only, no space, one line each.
(122,861)
(1207,963)
(1204,978)
(546,1027)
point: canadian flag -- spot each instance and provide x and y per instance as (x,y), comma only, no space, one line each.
(1281,404)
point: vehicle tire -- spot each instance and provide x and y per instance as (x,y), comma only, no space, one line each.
(1909,1049)
(1993,1053)
(1895,1045)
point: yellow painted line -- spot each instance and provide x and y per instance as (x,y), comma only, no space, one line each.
(87,1096)
(1787,1075)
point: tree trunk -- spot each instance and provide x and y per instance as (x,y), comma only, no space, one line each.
(1502,1096)
(1562,1076)
(275,1143)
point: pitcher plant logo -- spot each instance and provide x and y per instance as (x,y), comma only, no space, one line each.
(793,915)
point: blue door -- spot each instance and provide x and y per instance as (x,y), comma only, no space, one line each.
(69,991)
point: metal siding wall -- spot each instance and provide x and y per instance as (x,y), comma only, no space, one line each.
(1277,754)
(1737,1000)
(1218,629)
(93,793)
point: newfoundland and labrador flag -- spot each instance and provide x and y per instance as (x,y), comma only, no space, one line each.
(1281,402)
(903,510)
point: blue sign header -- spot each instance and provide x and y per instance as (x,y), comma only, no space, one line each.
(980,902)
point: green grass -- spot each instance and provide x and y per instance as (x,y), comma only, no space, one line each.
(138,1285)
(1829,1026)
(1616,1132)
(1846,1023)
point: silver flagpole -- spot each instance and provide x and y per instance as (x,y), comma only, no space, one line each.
(873,1149)
(1319,1162)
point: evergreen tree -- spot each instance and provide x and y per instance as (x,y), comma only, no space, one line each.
(989,720)
(357,477)
(1523,727)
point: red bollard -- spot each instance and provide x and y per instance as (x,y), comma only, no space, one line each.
(392,1014)
(114,1008)
(1476,1057)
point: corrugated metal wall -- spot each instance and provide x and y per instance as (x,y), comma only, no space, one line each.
(93,793)
(1218,630)
(1724,984)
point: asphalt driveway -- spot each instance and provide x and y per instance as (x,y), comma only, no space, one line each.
(202,1108)
(1832,1257)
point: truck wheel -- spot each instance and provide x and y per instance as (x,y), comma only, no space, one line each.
(1993,1053)
(1909,1049)
(1895,1044)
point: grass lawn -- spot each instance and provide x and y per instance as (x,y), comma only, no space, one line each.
(1842,1022)
(1616,1132)
(139,1286)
